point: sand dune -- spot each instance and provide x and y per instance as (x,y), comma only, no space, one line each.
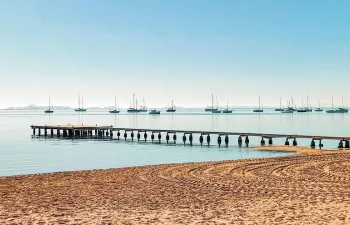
(299,189)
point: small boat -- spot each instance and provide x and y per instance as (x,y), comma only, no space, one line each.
(172,109)
(319,109)
(302,109)
(288,111)
(143,107)
(49,110)
(227,110)
(212,105)
(339,110)
(259,109)
(133,107)
(80,108)
(280,109)
(154,112)
(216,111)
(115,106)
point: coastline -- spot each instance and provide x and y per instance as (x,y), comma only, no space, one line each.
(299,150)
(300,188)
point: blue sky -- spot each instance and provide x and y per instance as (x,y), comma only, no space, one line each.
(182,50)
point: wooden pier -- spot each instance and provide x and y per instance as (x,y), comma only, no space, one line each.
(86,131)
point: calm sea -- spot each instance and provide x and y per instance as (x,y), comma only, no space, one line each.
(20,153)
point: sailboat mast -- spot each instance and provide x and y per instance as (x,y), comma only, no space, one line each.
(212,101)
(172,104)
(342,102)
(79,102)
(259,101)
(115,102)
(280,103)
(82,102)
(133,100)
(49,103)
(332,102)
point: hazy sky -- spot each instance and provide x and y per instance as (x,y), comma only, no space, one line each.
(182,49)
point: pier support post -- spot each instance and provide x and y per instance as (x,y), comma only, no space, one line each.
(286,143)
(107,133)
(152,137)
(340,144)
(138,136)
(226,141)
(219,141)
(247,141)
(39,131)
(313,144)
(240,141)
(34,131)
(262,141)
(132,135)
(125,135)
(45,132)
(295,143)
(58,133)
(51,132)
(201,139)
(270,141)
(118,134)
(208,139)
(347,144)
(159,136)
(320,144)
(184,139)
(190,138)
(167,138)
(145,136)
(174,138)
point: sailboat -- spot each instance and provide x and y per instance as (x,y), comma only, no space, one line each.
(172,109)
(133,107)
(154,112)
(80,109)
(280,109)
(339,110)
(216,110)
(115,106)
(227,110)
(259,109)
(143,108)
(212,105)
(308,108)
(50,110)
(302,109)
(319,109)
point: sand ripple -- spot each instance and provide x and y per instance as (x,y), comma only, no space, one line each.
(311,189)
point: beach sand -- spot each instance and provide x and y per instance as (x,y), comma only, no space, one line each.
(297,189)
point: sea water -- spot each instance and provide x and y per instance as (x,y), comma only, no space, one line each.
(21,153)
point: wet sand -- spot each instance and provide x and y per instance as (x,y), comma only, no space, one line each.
(297,189)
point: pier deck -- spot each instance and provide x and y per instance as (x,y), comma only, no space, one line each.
(76,131)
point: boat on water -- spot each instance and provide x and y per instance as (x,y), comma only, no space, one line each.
(227,110)
(80,106)
(172,109)
(339,110)
(49,110)
(154,112)
(133,106)
(280,109)
(216,111)
(259,109)
(208,109)
(143,107)
(319,109)
(308,108)
(115,106)
(302,109)
(288,111)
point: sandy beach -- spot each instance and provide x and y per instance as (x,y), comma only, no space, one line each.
(297,189)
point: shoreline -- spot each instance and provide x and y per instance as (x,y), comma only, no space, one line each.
(300,188)
(298,150)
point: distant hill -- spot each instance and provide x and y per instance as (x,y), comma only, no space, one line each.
(34,107)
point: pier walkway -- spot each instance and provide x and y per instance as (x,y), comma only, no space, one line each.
(83,131)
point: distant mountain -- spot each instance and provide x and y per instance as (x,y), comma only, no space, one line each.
(34,107)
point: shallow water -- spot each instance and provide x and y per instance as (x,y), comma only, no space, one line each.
(23,154)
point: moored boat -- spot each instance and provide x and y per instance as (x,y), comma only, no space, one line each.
(50,110)
(154,112)
(115,106)
(172,109)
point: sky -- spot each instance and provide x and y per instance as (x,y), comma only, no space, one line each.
(183,50)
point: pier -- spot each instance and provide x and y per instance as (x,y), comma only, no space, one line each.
(157,135)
